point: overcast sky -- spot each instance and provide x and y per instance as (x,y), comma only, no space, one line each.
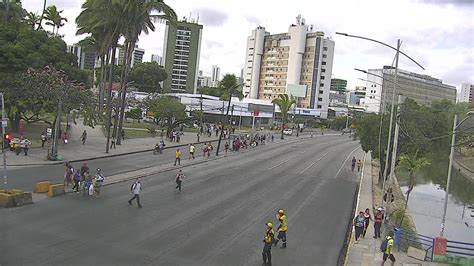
(439,34)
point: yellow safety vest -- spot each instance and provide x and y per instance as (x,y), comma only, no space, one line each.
(269,236)
(283,223)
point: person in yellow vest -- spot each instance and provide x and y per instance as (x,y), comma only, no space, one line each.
(177,157)
(359,165)
(282,228)
(388,250)
(267,246)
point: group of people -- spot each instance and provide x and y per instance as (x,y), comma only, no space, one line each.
(355,162)
(82,179)
(20,145)
(269,239)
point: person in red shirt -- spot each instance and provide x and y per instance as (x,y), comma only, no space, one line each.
(378,220)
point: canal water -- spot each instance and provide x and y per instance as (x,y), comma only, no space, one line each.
(427,201)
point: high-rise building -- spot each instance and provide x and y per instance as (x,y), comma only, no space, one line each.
(338,85)
(467,93)
(157,58)
(181,56)
(357,96)
(137,56)
(85,57)
(203,81)
(421,88)
(216,75)
(298,63)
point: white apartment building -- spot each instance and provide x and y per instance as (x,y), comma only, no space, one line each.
(421,88)
(157,58)
(216,75)
(467,93)
(298,63)
(137,56)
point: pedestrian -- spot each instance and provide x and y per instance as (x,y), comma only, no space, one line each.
(353,163)
(359,224)
(136,188)
(198,135)
(68,174)
(378,219)
(282,228)
(386,248)
(192,149)
(84,169)
(77,179)
(177,157)
(226,147)
(84,137)
(43,139)
(25,145)
(273,137)
(311,134)
(359,165)
(204,149)
(178,136)
(179,179)
(209,149)
(368,218)
(162,133)
(123,134)
(112,143)
(267,246)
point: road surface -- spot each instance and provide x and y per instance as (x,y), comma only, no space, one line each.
(218,219)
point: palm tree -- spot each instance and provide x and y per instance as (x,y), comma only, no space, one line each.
(231,88)
(53,15)
(411,163)
(285,103)
(32,19)
(140,16)
(42,15)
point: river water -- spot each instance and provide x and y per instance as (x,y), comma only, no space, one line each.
(426,207)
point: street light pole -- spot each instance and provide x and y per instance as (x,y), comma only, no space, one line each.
(4,126)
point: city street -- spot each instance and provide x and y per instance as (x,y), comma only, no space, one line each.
(218,219)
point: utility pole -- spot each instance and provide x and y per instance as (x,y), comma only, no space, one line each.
(201,114)
(240,120)
(4,152)
(57,126)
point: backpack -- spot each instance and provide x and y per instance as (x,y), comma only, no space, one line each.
(383,245)
(132,187)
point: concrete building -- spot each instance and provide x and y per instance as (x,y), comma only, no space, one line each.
(421,88)
(338,85)
(157,58)
(85,58)
(357,96)
(203,81)
(137,56)
(467,93)
(216,75)
(298,63)
(181,53)
(337,98)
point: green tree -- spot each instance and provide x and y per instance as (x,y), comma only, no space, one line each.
(411,163)
(11,12)
(284,102)
(134,114)
(33,19)
(168,111)
(213,91)
(147,76)
(54,18)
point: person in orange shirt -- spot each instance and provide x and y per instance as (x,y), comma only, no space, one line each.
(177,157)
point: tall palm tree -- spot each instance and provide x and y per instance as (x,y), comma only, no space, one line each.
(284,102)
(42,15)
(140,15)
(53,15)
(411,163)
(32,19)
(231,88)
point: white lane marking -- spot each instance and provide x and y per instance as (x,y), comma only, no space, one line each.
(348,156)
(280,163)
(303,152)
(319,159)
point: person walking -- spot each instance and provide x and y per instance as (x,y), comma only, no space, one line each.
(84,169)
(198,135)
(192,149)
(136,188)
(353,163)
(226,147)
(123,135)
(112,143)
(179,179)
(177,157)
(68,174)
(43,139)
(387,251)
(267,246)
(25,145)
(367,217)
(359,224)
(77,179)
(84,137)
(378,219)
(209,149)
(359,165)
(282,228)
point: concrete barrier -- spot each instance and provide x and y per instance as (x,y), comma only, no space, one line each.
(42,187)
(56,190)
(15,198)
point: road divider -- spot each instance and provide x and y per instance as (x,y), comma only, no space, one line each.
(15,198)
(56,190)
(42,187)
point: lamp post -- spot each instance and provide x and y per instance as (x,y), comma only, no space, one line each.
(4,126)
(451,158)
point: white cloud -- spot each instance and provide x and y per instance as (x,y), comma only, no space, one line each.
(438,34)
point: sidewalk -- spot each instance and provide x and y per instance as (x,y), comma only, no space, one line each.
(94,147)
(367,252)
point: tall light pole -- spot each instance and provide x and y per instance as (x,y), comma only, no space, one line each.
(4,126)
(451,158)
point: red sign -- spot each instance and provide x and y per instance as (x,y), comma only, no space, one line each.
(439,247)
(255,113)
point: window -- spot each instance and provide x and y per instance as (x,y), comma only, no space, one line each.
(321,84)
(320,99)
(322,77)
(321,92)
(323,63)
(325,48)
(319,106)
(325,56)
(323,70)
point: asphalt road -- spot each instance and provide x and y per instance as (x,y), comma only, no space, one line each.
(219,219)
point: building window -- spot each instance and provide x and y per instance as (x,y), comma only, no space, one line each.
(322,77)
(323,70)
(325,48)
(320,99)
(323,63)
(319,106)
(325,55)
(321,84)
(321,92)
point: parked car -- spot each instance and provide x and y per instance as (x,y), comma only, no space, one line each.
(288,131)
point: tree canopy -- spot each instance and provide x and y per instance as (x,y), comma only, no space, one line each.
(147,76)
(168,111)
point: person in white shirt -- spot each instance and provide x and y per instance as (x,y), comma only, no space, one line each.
(179,179)
(136,189)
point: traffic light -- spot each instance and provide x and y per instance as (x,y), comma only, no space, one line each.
(6,140)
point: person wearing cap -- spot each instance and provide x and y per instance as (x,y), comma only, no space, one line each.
(282,228)
(378,219)
(387,254)
(267,246)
